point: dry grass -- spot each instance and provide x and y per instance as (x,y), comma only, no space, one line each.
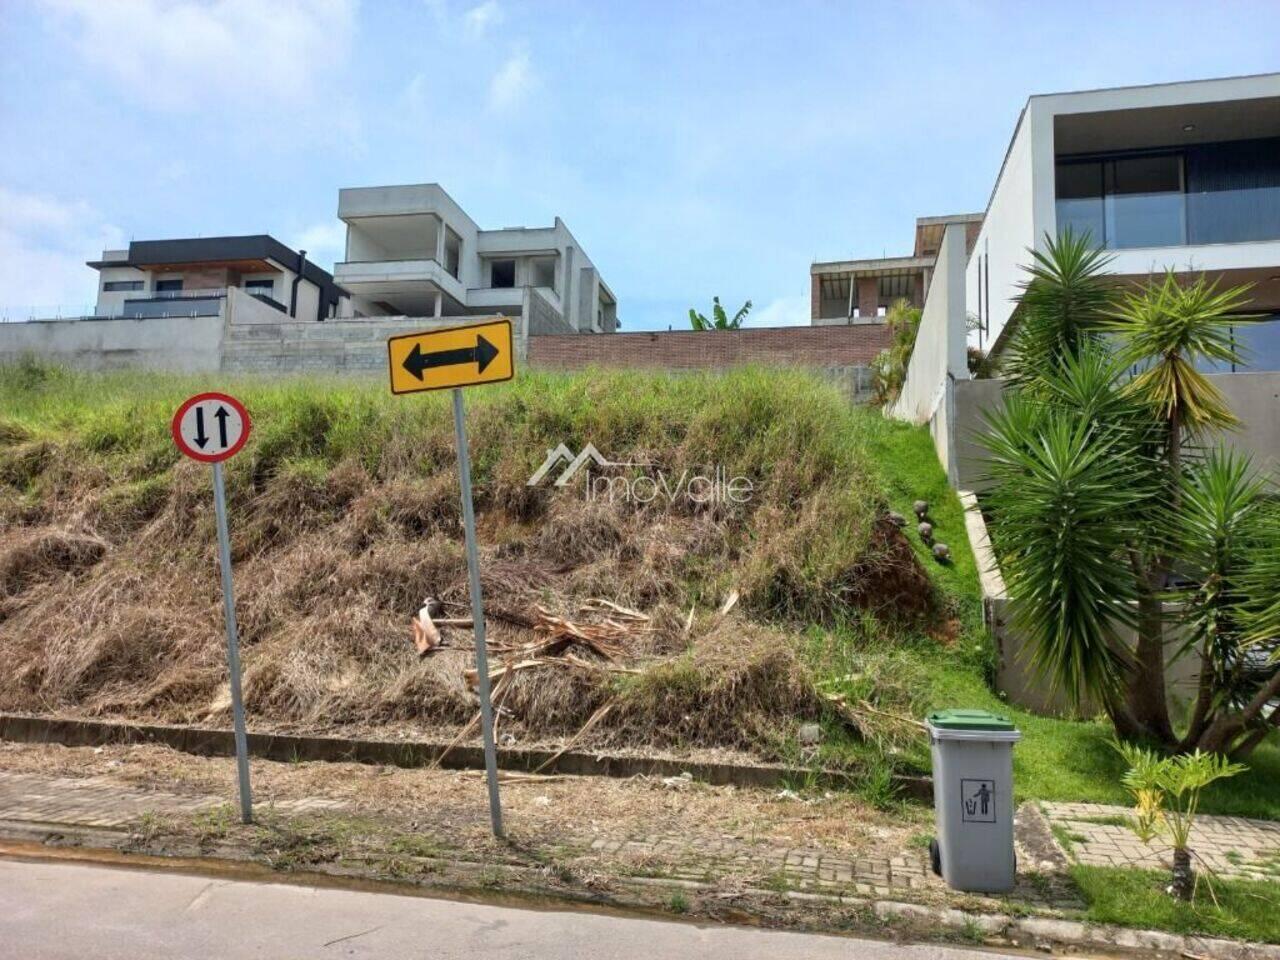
(346,514)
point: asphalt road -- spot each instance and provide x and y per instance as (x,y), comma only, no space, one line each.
(58,909)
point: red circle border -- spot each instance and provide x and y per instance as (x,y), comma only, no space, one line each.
(175,428)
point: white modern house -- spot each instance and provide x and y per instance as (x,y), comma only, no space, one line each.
(1179,176)
(1182,176)
(412,251)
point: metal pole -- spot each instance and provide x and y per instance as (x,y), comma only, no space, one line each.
(233,644)
(477,614)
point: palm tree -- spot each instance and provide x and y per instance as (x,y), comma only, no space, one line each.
(719,319)
(1096,503)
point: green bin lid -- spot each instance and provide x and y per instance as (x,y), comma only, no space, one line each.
(969,720)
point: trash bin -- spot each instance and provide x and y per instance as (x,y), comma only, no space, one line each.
(973,799)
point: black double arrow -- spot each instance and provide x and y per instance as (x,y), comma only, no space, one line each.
(220,415)
(482,354)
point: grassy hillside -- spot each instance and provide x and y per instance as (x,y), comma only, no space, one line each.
(345,515)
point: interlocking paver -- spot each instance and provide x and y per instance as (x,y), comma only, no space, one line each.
(1230,846)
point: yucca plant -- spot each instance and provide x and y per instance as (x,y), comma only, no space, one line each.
(1166,792)
(1065,300)
(1103,491)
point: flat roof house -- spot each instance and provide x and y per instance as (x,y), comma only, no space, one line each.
(192,277)
(1178,176)
(861,291)
(1181,176)
(412,251)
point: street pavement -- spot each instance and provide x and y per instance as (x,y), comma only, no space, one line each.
(51,910)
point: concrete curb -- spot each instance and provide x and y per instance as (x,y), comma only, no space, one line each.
(203,741)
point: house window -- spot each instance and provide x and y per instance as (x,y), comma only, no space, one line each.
(117,286)
(544,272)
(452,252)
(502,274)
(169,286)
(1124,202)
(265,288)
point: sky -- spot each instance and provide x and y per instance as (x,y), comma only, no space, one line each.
(694,149)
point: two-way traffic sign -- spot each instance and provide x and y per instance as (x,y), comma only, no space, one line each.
(456,357)
(210,427)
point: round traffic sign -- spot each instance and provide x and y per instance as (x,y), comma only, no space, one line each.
(211,427)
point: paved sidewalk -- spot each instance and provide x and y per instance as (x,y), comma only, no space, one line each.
(688,856)
(1233,847)
(101,802)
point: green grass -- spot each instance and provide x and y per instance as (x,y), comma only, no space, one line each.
(1246,910)
(793,435)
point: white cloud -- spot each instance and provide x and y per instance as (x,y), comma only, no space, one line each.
(512,83)
(190,56)
(480,18)
(324,242)
(44,243)
(781,312)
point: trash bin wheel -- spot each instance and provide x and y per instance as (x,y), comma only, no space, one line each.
(935,856)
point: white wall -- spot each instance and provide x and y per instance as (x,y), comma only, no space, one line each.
(939,354)
(1008,231)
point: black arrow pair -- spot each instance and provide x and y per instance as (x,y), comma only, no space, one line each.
(482,354)
(221,414)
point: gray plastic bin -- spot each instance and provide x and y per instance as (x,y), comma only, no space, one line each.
(973,799)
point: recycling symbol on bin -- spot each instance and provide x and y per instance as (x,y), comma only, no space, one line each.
(978,801)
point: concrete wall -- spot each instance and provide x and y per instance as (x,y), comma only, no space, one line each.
(255,344)
(939,360)
(1253,397)
(939,352)
(186,344)
(1016,678)
(1008,231)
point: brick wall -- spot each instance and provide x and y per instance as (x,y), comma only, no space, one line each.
(824,347)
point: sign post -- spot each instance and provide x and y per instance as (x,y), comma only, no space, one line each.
(212,427)
(455,358)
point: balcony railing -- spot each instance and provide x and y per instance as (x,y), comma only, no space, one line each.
(1167,219)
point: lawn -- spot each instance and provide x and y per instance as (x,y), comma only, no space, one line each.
(1244,909)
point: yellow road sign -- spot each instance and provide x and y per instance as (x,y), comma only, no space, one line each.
(454,357)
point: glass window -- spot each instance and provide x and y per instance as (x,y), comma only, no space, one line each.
(1145,205)
(502,273)
(1079,189)
(1259,344)
(261,286)
(169,286)
(114,286)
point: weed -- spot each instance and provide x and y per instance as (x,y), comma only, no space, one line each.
(678,902)
(778,882)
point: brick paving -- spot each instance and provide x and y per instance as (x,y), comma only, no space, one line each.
(103,803)
(1234,847)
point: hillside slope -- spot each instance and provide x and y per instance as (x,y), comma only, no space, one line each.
(345,515)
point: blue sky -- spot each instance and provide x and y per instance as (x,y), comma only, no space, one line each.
(694,148)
